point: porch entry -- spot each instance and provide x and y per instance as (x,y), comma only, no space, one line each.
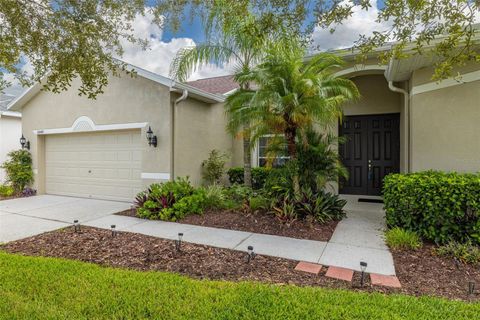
(371,151)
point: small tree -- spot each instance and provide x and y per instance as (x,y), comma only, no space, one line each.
(214,167)
(19,169)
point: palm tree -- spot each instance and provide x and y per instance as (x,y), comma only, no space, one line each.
(242,43)
(293,95)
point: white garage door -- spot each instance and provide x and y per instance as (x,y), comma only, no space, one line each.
(101,165)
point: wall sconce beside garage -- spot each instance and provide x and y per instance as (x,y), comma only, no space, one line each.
(152,139)
(24,143)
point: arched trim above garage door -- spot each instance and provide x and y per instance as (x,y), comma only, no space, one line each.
(85,124)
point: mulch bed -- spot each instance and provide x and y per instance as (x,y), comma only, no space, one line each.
(141,252)
(258,222)
(423,272)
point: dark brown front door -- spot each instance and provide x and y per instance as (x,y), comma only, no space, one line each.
(371,151)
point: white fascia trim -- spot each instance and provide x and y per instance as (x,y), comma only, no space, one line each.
(156,175)
(92,127)
(209,97)
(431,86)
(231,92)
(359,68)
(12,114)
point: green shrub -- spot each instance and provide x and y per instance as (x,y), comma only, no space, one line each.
(437,206)
(18,169)
(259,202)
(259,176)
(318,160)
(6,191)
(214,167)
(171,201)
(400,239)
(464,252)
(238,193)
(218,197)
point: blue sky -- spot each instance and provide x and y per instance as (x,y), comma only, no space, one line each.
(194,29)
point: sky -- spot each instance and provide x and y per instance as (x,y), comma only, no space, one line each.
(164,44)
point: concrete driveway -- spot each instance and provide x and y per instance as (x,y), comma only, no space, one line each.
(25,217)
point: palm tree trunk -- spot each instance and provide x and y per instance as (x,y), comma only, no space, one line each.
(290,135)
(247,161)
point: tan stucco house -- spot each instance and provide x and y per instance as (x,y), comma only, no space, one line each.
(404,122)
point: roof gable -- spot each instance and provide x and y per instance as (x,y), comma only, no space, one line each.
(194,92)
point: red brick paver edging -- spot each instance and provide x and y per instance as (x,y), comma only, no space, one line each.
(340,273)
(308,267)
(386,281)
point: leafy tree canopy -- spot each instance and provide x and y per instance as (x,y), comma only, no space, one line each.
(69,39)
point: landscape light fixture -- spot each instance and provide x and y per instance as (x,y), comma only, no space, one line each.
(363,267)
(251,254)
(114,231)
(76,225)
(152,139)
(178,242)
(471,287)
(24,143)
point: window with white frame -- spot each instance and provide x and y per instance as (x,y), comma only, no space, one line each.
(277,156)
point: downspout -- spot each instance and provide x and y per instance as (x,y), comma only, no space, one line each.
(172,133)
(406,108)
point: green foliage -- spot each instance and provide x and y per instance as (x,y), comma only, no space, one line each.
(239,193)
(45,287)
(438,206)
(400,239)
(6,191)
(171,201)
(291,95)
(219,197)
(63,40)
(464,252)
(318,160)
(259,176)
(287,205)
(18,169)
(214,167)
(259,202)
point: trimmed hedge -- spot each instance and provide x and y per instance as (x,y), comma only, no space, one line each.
(259,176)
(439,206)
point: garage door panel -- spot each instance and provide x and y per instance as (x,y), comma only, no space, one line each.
(103,165)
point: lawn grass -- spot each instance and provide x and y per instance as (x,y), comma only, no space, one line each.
(46,288)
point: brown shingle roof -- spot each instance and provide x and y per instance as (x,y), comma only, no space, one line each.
(216,85)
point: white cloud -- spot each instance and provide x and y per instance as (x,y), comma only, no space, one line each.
(159,54)
(361,22)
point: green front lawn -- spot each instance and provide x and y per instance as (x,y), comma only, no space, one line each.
(45,288)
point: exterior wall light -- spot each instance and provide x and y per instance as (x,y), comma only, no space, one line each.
(114,231)
(178,243)
(76,225)
(152,139)
(363,267)
(25,143)
(251,254)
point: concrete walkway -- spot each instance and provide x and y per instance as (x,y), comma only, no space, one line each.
(357,238)
(283,247)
